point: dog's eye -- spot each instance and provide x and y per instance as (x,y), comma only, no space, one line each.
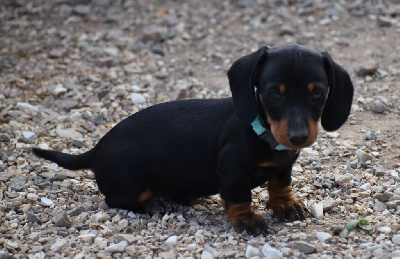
(316,95)
(274,96)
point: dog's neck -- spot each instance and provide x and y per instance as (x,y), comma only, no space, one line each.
(259,127)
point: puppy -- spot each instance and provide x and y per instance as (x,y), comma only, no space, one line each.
(186,149)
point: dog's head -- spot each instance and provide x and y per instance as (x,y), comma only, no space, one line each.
(291,88)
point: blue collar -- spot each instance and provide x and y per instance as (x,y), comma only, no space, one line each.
(264,134)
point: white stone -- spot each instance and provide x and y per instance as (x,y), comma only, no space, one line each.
(365,187)
(137,98)
(32,197)
(117,248)
(46,202)
(181,218)
(100,217)
(28,134)
(27,106)
(396,239)
(318,210)
(323,236)
(43,146)
(172,241)
(270,253)
(385,230)
(58,245)
(251,251)
(332,134)
(206,255)
(59,89)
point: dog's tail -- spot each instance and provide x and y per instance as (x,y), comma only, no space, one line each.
(71,162)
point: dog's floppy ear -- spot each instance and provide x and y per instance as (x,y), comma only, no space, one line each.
(242,76)
(338,105)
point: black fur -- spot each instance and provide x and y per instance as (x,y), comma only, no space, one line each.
(193,148)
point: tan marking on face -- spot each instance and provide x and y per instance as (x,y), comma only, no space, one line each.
(144,196)
(267,164)
(282,89)
(280,130)
(311,87)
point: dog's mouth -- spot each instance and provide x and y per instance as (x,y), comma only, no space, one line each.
(293,139)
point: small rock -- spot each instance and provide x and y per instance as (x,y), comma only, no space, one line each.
(46,202)
(62,220)
(383,197)
(379,206)
(117,248)
(384,21)
(100,217)
(286,30)
(172,241)
(76,211)
(82,10)
(366,69)
(167,255)
(67,104)
(323,236)
(206,255)
(57,53)
(328,204)
(26,106)
(11,245)
(68,133)
(318,210)
(370,135)
(396,239)
(27,134)
(152,34)
(270,253)
(251,251)
(394,174)
(16,187)
(58,245)
(32,217)
(365,187)
(304,247)
(378,107)
(137,98)
(385,230)
(378,170)
(363,156)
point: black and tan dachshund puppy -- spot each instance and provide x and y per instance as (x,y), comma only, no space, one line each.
(186,149)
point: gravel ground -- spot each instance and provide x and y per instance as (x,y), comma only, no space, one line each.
(71,69)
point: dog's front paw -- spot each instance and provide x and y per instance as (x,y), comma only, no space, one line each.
(290,209)
(243,219)
(283,202)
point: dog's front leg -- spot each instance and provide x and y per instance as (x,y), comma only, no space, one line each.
(237,200)
(282,200)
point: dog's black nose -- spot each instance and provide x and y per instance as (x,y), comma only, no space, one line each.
(298,138)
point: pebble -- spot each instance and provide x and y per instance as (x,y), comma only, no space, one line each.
(322,236)
(370,135)
(270,252)
(137,98)
(46,202)
(62,220)
(396,239)
(32,217)
(27,106)
(304,247)
(318,210)
(117,248)
(100,217)
(378,107)
(172,241)
(206,255)
(251,251)
(58,245)
(27,134)
(363,156)
(366,69)
(385,230)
